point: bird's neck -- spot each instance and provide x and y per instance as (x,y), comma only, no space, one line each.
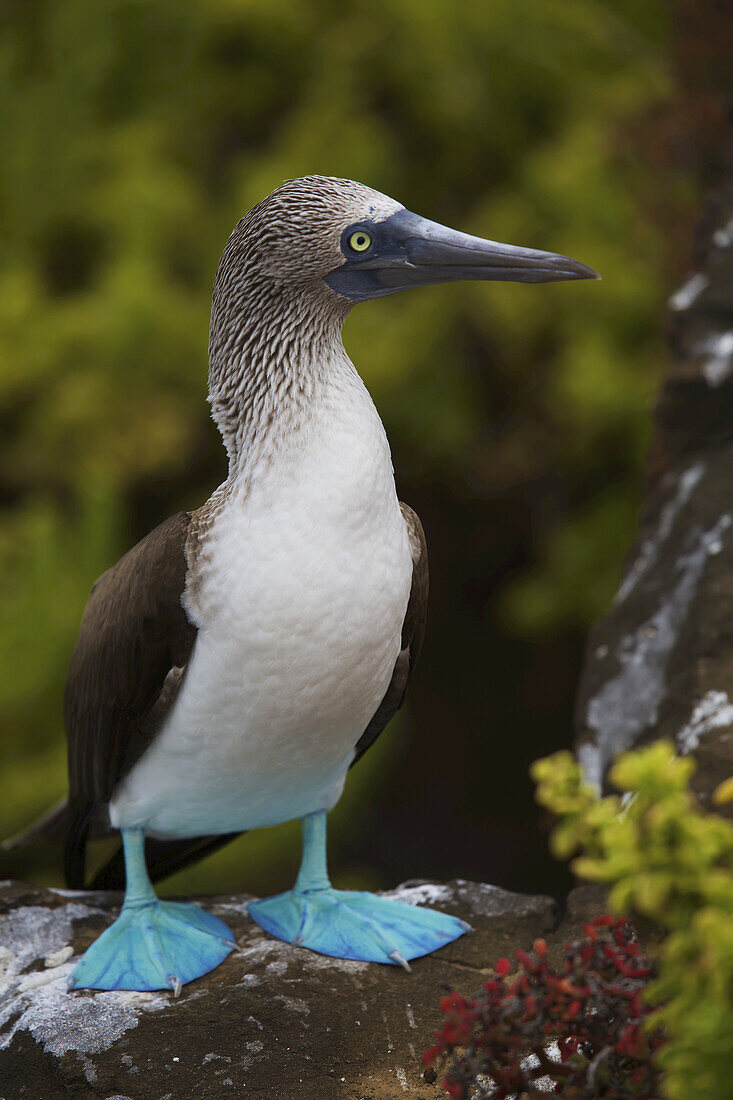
(270,360)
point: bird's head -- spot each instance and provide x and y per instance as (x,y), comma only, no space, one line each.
(361,244)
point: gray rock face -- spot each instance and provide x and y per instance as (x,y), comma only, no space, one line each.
(272,1021)
(660,663)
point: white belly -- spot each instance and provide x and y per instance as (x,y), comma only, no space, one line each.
(300,611)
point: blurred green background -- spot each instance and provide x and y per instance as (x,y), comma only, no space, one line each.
(134,134)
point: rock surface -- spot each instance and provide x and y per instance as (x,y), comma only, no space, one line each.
(660,664)
(272,1021)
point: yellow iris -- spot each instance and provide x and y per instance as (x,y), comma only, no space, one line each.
(360,241)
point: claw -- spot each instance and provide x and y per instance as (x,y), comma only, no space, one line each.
(400,961)
(176,986)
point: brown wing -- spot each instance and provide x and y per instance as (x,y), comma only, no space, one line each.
(133,633)
(134,638)
(413,630)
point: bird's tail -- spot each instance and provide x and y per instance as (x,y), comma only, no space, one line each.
(78,821)
(50,826)
(67,822)
(163,858)
(70,821)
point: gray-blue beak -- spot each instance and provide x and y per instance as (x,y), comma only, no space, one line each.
(408,251)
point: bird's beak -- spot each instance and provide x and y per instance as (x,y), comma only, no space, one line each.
(409,251)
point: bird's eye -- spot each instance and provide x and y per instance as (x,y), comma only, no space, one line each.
(360,241)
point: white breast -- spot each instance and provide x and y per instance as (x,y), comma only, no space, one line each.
(299,611)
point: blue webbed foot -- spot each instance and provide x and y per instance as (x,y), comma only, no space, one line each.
(349,924)
(158,945)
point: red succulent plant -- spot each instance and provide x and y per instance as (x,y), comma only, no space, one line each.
(579,1030)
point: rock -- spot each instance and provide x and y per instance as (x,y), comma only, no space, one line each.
(273,1021)
(660,664)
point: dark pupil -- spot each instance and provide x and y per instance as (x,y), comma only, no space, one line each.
(360,240)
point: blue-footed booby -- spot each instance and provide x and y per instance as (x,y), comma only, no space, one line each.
(235,663)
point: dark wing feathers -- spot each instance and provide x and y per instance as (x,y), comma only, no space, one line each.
(413,629)
(133,633)
(134,641)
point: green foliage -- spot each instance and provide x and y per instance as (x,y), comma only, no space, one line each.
(135,133)
(665,859)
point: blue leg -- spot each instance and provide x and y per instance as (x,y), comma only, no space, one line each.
(349,924)
(153,944)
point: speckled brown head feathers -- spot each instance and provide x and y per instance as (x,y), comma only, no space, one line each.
(293,235)
(273,318)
